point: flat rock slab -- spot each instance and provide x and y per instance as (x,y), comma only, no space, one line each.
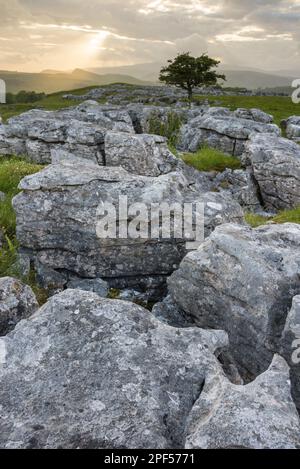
(60,208)
(80,130)
(224,130)
(86,372)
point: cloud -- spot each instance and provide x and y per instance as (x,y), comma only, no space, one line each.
(69,33)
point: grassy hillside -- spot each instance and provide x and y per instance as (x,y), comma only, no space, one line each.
(54,82)
(277,106)
(253,80)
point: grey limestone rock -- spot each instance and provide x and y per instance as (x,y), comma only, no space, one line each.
(87,372)
(260,415)
(242,280)
(17,302)
(275,165)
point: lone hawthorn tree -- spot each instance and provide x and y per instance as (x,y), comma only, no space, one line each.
(188,72)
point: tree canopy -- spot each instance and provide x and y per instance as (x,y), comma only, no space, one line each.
(188,72)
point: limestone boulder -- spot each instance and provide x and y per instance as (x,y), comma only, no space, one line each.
(275,165)
(242,280)
(17,302)
(87,372)
(260,415)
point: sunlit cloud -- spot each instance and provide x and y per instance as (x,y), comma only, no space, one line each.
(166,6)
(64,34)
(89,30)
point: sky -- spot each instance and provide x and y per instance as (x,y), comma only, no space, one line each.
(67,34)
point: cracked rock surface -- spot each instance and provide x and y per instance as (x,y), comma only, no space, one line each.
(260,415)
(242,280)
(86,372)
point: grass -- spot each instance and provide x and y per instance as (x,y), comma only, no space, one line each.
(209,159)
(169,129)
(279,107)
(284,216)
(12,170)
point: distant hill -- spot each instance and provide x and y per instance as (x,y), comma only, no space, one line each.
(244,78)
(145,71)
(253,80)
(51,81)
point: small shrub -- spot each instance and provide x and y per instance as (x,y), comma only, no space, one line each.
(169,128)
(209,159)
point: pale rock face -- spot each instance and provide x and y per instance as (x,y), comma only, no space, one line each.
(58,215)
(17,302)
(93,285)
(243,281)
(290,347)
(275,165)
(10,145)
(260,415)
(254,114)
(86,372)
(79,130)
(147,155)
(224,130)
(242,187)
(292,127)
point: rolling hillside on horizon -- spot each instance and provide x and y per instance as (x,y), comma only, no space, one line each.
(51,81)
(245,78)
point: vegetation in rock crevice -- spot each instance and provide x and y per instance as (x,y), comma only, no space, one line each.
(12,170)
(168,128)
(209,159)
(284,216)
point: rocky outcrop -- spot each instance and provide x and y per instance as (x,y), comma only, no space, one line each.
(144,118)
(79,130)
(275,165)
(17,302)
(224,130)
(96,285)
(243,281)
(87,372)
(242,187)
(260,415)
(292,128)
(60,209)
(290,347)
(147,155)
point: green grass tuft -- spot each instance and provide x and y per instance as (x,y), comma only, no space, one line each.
(12,170)
(284,216)
(209,159)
